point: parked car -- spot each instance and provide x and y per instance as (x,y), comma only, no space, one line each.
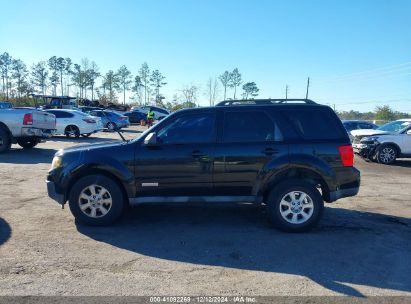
(26,127)
(111,120)
(5,105)
(386,143)
(351,125)
(72,123)
(135,116)
(290,157)
(159,113)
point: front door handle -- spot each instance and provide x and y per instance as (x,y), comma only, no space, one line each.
(270,151)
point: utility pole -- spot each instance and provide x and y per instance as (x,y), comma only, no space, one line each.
(308,85)
(286,91)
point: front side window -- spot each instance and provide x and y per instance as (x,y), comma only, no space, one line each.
(191,128)
(254,126)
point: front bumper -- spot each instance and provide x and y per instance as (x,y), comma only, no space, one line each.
(364,149)
(35,132)
(53,194)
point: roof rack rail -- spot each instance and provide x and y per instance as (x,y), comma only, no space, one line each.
(263,102)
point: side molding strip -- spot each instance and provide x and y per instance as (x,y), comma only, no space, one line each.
(192,199)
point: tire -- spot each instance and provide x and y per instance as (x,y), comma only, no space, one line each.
(27,143)
(386,154)
(5,141)
(300,219)
(72,131)
(86,135)
(104,212)
(111,126)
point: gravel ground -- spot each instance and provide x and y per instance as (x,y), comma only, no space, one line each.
(361,247)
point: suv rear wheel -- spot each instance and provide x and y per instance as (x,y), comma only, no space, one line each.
(96,200)
(295,206)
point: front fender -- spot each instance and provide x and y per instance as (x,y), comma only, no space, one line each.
(87,163)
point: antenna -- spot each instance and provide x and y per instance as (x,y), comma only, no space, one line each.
(308,86)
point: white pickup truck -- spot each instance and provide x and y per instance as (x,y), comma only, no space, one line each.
(24,126)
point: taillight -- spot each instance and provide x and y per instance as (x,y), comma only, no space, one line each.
(28,119)
(89,120)
(346,155)
(123,118)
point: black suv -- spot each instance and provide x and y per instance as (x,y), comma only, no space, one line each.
(290,155)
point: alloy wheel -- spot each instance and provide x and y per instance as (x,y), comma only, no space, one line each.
(387,155)
(95,201)
(296,207)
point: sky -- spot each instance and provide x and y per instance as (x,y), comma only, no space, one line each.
(356,53)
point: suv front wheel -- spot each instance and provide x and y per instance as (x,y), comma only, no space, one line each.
(295,206)
(96,200)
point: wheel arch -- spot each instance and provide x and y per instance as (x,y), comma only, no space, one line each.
(94,171)
(297,173)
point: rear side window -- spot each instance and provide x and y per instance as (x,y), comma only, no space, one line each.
(253,126)
(315,124)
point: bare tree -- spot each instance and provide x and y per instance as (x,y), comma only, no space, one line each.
(93,75)
(212,90)
(190,93)
(225,80)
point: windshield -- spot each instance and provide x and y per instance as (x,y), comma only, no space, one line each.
(394,126)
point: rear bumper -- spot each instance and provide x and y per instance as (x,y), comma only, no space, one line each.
(53,194)
(341,193)
(35,132)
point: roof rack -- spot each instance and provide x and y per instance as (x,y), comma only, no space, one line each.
(263,102)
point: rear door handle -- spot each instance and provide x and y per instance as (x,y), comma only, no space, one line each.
(270,151)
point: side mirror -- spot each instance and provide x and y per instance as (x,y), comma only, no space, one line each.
(409,132)
(151,139)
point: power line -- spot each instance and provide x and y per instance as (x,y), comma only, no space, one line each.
(400,66)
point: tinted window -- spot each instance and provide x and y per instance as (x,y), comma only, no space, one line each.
(56,113)
(253,126)
(364,125)
(66,114)
(315,124)
(349,126)
(194,128)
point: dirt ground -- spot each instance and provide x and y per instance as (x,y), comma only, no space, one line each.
(361,247)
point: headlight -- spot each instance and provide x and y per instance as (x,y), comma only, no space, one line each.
(56,163)
(369,139)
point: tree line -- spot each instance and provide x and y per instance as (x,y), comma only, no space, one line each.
(382,113)
(61,76)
